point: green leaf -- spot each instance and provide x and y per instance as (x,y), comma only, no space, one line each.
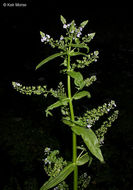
(81,94)
(84,23)
(64,101)
(82,160)
(63,20)
(91,35)
(78,79)
(55,105)
(88,137)
(59,178)
(90,140)
(49,59)
(75,75)
(72,27)
(77,53)
(59,103)
(79,46)
(42,34)
(68,122)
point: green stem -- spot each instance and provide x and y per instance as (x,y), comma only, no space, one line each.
(74,136)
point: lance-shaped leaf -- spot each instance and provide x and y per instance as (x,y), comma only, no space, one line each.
(59,103)
(90,140)
(72,53)
(53,181)
(83,24)
(88,137)
(63,20)
(50,58)
(81,94)
(79,46)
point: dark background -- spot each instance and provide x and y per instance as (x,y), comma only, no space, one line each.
(24,130)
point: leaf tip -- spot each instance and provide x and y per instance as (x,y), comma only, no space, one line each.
(103,162)
(63,20)
(36,68)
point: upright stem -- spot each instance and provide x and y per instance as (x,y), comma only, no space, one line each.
(74,137)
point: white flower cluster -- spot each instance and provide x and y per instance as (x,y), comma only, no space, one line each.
(45,38)
(47,152)
(91,116)
(74,30)
(66,26)
(110,105)
(78,31)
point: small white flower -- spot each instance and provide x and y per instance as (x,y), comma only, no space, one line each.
(65,26)
(114,105)
(61,38)
(85,174)
(47,149)
(88,126)
(43,39)
(48,36)
(80,29)
(96,53)
(72,31)
(16,84)
(46,160)
(78,35)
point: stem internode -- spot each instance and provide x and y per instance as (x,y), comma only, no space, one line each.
(74,136)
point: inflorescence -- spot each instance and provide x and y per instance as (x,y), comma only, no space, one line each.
(29,90)
(91,116)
